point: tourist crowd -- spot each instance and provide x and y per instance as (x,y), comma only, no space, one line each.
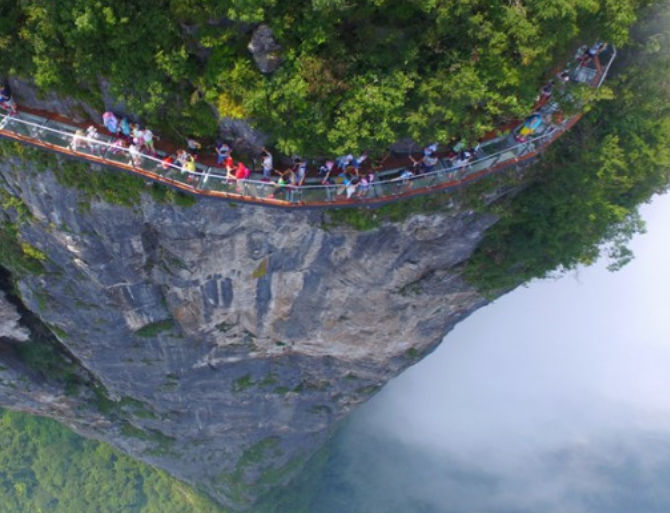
(351,175)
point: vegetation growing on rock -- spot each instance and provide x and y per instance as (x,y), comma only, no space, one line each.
(353,75)
(45,467)
(584,200)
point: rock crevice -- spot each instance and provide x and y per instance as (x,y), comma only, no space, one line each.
(216,329)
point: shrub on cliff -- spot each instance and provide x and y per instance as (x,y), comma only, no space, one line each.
(584,202)
(46,467)
(353,75)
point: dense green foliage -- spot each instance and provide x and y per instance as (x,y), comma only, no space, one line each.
(45,468)
(353,75)
(97,183)
(584,200)
(110,186)
(17,256)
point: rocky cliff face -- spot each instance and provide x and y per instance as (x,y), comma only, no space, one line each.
(229,338)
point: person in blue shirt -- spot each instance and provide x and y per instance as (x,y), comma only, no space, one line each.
(358,161)
(222,152)
(126,130)
(300,170)
(427,163)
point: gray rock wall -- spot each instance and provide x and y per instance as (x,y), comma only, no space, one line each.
(232,338)
(10,326)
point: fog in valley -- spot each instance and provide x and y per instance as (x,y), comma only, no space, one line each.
(552,399)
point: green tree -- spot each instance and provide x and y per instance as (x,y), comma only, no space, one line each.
(353,75)
(46,468)
(584,200)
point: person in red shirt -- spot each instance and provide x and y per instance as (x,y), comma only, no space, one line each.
(242,172)
(229,164)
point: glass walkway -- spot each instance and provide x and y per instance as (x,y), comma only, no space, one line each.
(490,157)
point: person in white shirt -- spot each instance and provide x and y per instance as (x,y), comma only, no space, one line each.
(267,164)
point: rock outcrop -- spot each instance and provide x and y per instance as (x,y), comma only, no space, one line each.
(27,94)
(229,339)
(10,326)
(264,49)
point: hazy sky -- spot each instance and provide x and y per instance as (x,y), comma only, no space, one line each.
(556,398)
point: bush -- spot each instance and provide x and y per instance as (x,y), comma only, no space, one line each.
(353,75)
(155,328)
(584,202)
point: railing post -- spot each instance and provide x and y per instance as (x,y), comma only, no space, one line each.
(203,178)
(38,130)
(103,154)
(437,176)
(57,137)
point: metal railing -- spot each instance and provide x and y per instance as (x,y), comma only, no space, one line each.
(491,156)
(101,149)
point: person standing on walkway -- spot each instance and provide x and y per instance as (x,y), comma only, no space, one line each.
(358,162)
(267,164)
(78,140)
(135,156)
(193,146)
(6,100)
(300,171)
(344,161)
(148,137)
(126,131)
(92,135)
(222,152)
(111,122)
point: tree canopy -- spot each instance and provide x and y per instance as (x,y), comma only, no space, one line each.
(584,201)
(45,468)
(353,75)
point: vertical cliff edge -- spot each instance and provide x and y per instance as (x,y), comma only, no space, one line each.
(222,342)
